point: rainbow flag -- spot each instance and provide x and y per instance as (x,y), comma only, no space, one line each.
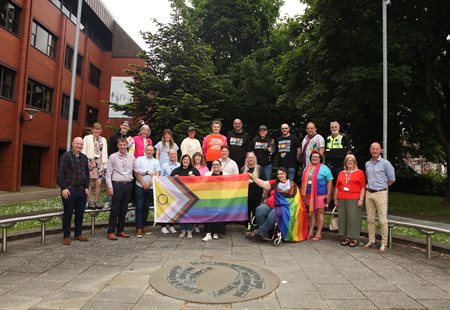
(196,199)
(290,215)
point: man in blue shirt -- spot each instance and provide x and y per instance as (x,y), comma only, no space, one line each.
(380,175)
(145,168)
(166,170)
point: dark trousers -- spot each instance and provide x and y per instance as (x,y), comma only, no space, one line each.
(119,206)
(77,202)
(143,200)
(215,228)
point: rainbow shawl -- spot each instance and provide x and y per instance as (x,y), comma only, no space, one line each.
(313,195)
(290,214)
(195,199)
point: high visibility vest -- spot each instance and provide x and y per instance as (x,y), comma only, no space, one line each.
(334,143)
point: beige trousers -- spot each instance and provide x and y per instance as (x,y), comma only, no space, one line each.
(377,203)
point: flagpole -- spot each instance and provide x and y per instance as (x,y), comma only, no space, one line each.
(74,75)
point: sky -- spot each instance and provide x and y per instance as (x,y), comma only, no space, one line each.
(136,15)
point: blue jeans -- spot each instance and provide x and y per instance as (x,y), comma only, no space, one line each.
(77,202)
(291,173)
(143,200)
(265,217)
(267,171)
(187,227)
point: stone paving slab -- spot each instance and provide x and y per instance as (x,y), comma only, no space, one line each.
(102,274)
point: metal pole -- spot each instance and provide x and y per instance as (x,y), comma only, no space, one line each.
(385,87)
(74,74)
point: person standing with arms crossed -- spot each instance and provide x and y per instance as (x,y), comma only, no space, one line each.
(119,177)
(380,175)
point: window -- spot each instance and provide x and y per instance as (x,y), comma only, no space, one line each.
(94,75)
(91,116)
(69,58)
(43,40)
(39,96)
(7,81)
(9,16)
(66,105)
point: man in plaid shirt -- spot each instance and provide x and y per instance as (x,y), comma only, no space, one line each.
(73,178)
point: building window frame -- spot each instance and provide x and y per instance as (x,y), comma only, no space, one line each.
(10,16)
(65,104)
(91,116)
(43,40)
(7,85)
(39,96)
(68,59)
(95,75)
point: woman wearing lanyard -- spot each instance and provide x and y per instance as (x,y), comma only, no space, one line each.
(349,197)
(317,183)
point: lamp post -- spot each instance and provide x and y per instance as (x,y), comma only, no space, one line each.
(74,75)
(385,87)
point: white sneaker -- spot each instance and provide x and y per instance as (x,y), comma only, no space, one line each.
(215,236)
(164,230)
(182,235)
(189,234)
(172,230)
(207,237)
(197,229)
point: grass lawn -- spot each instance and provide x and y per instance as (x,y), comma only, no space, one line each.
(419,207)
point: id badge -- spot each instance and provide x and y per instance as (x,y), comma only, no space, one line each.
(125,173)
(346,189)
(309,182)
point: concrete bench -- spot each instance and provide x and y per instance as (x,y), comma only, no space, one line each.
(43,217)
(426,227)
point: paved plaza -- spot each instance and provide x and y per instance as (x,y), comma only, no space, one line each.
(103,274)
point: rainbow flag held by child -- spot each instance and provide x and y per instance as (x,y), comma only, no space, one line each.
(290,215)
(195,199)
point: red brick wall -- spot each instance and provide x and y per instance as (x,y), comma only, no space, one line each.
(48,129)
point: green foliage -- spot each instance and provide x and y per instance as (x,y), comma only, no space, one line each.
(177,87)
(431,184)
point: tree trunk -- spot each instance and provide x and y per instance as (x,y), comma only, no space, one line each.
(446,200)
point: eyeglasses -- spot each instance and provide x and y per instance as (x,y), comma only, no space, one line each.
(216,164)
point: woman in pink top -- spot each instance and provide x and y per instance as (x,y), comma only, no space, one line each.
(139,143)
(198,161)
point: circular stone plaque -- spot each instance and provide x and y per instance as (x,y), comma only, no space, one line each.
(214,282)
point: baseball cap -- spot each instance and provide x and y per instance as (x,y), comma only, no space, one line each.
(190,128)
(263,127)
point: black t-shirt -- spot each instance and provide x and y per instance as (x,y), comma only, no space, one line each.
(239,144)
(286,150)
(259,146)
(254,191)
(112,143)
(185,172)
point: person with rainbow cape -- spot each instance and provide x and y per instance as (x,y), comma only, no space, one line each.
(283,206)
(317,184)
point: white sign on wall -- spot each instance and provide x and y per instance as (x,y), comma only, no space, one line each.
(119,94)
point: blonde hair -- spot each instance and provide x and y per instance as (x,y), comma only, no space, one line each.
(350,156)
(97,126)
(256,170)
(163,139)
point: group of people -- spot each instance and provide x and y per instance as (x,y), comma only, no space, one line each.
(330,175)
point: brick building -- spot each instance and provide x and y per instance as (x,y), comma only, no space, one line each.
(36,49)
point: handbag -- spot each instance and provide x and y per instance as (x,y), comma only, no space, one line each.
(334,222)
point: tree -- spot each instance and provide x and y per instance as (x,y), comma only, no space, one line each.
(177,87)
(334,71)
